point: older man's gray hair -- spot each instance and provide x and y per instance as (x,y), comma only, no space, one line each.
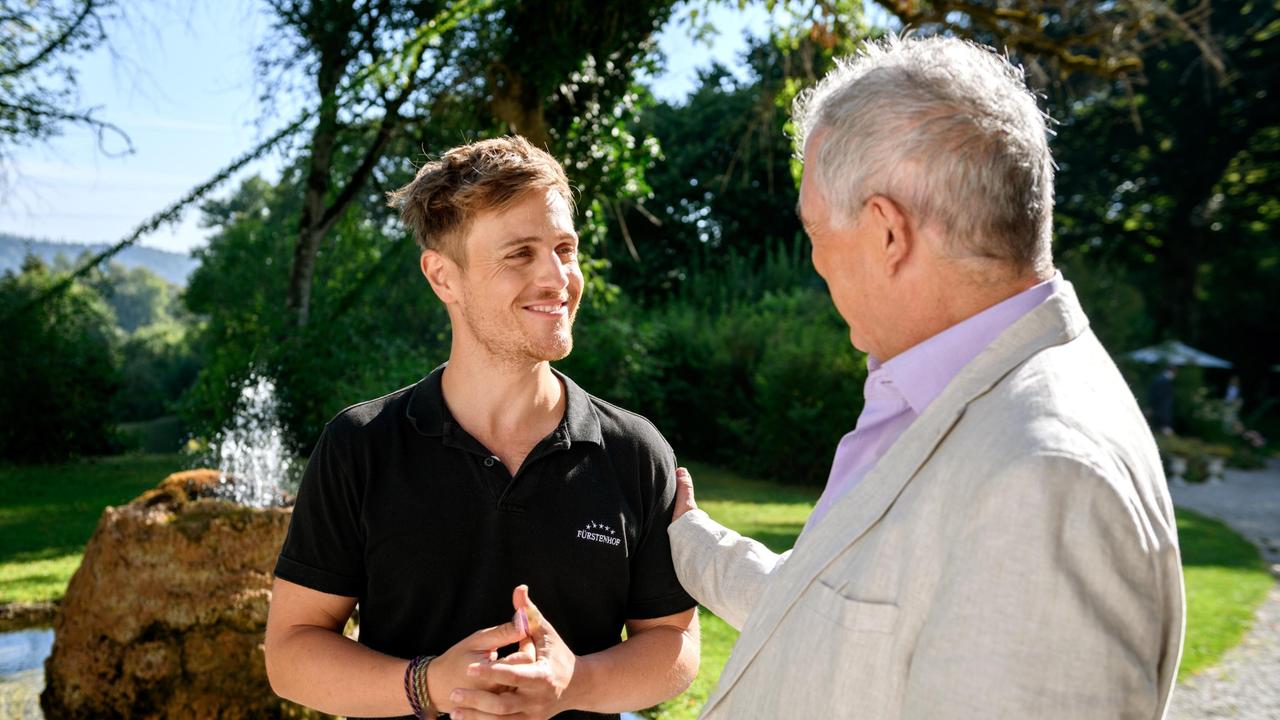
(949,131)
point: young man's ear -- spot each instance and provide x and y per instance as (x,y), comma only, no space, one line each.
(441,273)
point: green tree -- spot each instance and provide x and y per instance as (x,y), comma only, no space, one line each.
(59,378)
(158,363)
(138,297)
(722,189)
(384,67)
(1171,185)
(375,325)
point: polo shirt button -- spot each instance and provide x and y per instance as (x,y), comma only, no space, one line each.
(489,461)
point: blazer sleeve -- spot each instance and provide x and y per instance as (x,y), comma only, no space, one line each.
(1058,600)
(721,569)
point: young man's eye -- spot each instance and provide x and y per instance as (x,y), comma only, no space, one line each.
(569,251)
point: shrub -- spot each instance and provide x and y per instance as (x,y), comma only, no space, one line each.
(1196,452)
(60,373)
(613,357)
(767,386)
(807,391)
(158,364)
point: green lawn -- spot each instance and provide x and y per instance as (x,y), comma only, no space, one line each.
(1226,580)
(47,513)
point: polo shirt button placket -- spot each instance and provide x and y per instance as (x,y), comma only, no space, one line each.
(490,461)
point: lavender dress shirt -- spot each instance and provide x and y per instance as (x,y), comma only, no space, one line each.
(898,391)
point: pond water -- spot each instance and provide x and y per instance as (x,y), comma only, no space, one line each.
(24,650)
(22,656)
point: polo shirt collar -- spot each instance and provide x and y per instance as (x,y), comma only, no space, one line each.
(580,419)
(429,415)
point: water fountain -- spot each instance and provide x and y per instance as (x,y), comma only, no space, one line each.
(256,467)
(165,616)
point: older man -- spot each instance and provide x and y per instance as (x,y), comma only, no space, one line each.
(433,506)
(995,539)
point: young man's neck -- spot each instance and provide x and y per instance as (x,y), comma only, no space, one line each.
(495,399)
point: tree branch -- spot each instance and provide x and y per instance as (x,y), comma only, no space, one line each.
(54,45)
(1023,28)
(386,126)
(167,215)
(100,127)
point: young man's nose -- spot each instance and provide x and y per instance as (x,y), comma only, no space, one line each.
(552,271)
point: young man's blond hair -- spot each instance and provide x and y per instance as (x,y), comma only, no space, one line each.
(440,202)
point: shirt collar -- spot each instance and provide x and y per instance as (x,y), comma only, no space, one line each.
(922,372)
(430,416)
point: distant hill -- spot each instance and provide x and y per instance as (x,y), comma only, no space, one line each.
(173,267)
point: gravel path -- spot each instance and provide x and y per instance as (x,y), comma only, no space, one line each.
(1247,501)
(1245,684)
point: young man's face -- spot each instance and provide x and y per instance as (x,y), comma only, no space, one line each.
(522,283)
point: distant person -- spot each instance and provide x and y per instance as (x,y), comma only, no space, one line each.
(995,540)
(1160,400)
(441,507)
(1232,401)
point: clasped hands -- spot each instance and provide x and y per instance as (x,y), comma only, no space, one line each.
(470,682)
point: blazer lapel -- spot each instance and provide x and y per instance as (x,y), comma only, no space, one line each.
(1056,321)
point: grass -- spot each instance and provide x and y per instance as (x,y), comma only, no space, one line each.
(1226,581)
(160,435)
(48,513)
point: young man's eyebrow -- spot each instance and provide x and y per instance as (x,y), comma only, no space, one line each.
(523,239)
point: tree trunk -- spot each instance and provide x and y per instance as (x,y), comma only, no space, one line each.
(319,167)
(517,105)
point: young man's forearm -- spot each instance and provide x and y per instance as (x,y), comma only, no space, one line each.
(323,670)
(652,665)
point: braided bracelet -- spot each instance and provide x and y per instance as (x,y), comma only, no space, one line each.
(415,687)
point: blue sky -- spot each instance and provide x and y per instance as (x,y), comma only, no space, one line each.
(180,81)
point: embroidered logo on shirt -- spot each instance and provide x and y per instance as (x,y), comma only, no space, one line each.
(599,532)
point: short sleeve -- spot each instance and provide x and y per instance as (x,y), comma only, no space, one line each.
(324,547)
(655,591)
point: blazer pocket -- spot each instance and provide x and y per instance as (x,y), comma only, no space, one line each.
(851,614)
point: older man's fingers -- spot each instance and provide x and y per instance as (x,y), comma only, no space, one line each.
(684,494)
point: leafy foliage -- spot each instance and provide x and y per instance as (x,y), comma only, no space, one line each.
(723,185)
(1171,188)
(58,382)
(702,311)
(137,296)
(375,325)
(157,358)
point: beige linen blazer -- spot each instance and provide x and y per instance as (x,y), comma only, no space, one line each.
(1013,555)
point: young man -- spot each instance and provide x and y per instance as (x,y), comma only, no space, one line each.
(441,507)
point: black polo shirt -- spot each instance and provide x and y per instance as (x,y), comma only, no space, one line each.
(404,510)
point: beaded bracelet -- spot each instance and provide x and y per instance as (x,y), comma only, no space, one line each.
(415,687)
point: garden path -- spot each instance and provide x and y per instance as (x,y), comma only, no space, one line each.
(1245,684)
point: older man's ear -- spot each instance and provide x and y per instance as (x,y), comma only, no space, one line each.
(894,236)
